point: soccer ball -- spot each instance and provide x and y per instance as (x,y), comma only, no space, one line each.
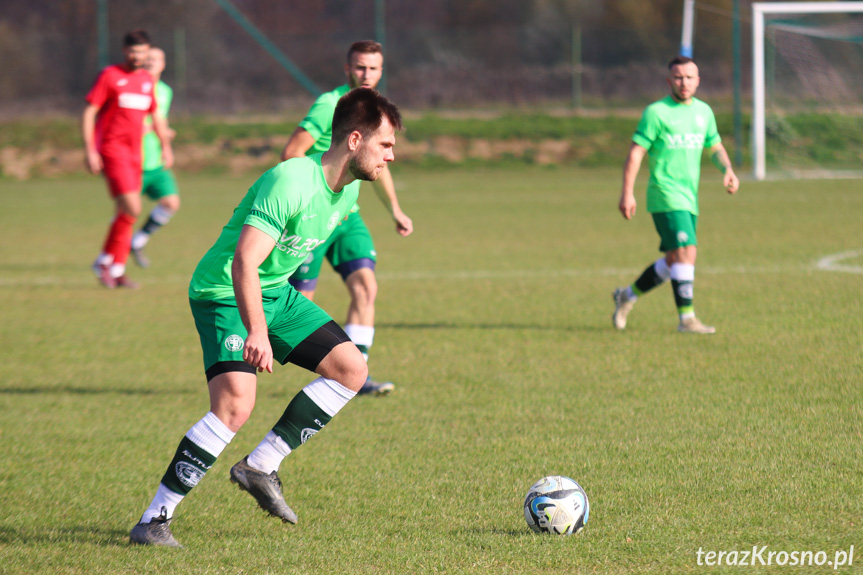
(556,504)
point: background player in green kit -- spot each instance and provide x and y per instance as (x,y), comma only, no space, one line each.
(248,315)
(350,250)
(159,183)
(673,133)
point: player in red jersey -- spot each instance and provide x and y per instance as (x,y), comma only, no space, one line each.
(112,126)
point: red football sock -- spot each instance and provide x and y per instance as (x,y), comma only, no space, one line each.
(119,240)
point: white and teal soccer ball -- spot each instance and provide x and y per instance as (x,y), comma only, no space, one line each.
(556,504)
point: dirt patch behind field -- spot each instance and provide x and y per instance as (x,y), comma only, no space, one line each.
(258,154)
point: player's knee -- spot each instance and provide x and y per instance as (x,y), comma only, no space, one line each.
(347,367)
(171,203)
(234,415)
(357,374)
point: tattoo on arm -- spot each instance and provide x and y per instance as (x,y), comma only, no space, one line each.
(720,160)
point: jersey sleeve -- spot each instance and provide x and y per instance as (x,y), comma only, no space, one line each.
(169,99)
(711,137)
(164,97)
(319,120)
(98,94)
(273,207)
(648,129)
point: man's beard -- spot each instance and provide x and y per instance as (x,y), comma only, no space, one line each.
(359,172)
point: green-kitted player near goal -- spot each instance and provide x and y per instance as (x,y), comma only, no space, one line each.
(673,132)
(248,315)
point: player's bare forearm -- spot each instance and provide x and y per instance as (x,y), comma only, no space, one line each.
(386,191)
(627,203)
(720,159)
(253,247)
(298,144)
(160,126)
(92,158)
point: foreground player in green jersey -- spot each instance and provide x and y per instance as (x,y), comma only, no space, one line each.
(350,250)
(159,183)
(248,315)
(673,133)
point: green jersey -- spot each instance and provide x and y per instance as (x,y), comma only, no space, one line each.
(675,136)
(292,204)
(150,142)
(319,121)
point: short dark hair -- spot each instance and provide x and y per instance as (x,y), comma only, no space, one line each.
(365,47)
(680,60)
(137,37)
(363,110)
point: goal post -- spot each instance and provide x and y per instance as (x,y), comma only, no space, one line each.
(759,11)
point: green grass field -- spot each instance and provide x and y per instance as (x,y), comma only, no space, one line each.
(494,322)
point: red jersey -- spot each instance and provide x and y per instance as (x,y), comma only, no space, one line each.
(124,98)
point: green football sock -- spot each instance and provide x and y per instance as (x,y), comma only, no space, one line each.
(654,275)
(188,467)
(682,283)
(301,420)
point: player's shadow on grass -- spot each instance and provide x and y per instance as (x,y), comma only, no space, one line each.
(87,534)
(490,326)
(88,391)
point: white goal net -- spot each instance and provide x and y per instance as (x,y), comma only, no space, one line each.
(808,89)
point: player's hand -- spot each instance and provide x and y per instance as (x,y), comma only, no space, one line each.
(93,161)
(627,205)
(404,225)
(730,181)
(168,158)
(258,352)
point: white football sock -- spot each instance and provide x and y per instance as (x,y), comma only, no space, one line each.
(161,215)
(117,270)
(212,436)
(140,239)
(329,395)
(269,453)
(661,268)
(361,334)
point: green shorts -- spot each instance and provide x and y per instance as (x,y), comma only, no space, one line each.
(291,318)
(676,229)
(159,183)
(350,242)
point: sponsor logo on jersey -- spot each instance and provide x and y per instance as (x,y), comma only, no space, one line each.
(684,141)
(297,246)
(188,474)
(234,342)
(132,101)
